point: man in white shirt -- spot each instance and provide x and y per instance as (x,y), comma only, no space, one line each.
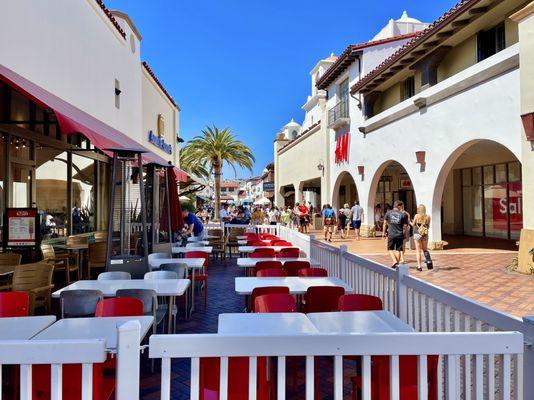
(356,217)
(223,214)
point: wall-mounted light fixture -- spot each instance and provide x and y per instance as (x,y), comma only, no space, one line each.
(320,166)
(420,156)
(361,170)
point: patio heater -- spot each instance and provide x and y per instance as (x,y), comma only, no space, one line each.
(159,230)
(127,247)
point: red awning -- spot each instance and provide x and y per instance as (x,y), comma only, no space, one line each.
(71,119)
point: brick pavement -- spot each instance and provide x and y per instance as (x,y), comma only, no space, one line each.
(467,267)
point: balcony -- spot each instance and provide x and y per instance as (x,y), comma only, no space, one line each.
(338,116)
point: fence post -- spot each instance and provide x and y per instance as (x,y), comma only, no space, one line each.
(402,293)
(528,361)
(342,250)
(128,360)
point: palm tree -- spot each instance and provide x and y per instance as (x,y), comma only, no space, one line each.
(211,150)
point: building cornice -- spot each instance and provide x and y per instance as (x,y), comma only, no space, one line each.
(305,134)
(525,12)
(149,71)
(129,21)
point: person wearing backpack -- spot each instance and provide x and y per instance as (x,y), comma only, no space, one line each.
(421,225)
(329,222)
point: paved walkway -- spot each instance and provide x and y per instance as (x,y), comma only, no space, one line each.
(467,267)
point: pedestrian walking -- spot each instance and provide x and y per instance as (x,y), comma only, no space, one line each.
(341,222)
(407,236)
(421,225)
(329,222)
(395,226)
(356,218)
(273,216)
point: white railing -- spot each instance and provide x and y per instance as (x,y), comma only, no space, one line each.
(300,240)
(429,308)
(272,229)
(449,346)
(57,353)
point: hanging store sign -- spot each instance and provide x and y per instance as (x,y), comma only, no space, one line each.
(159,142)
(341,153)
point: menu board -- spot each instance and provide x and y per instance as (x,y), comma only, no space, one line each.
(21,227)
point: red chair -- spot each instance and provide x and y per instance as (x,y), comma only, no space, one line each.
(260,291)
(407,379)
(323,298)
(289,252)
(14,304)
(262,253)
(271,273)
(266,265)
(293,267)
(308,272)
(203,277)
(119,307)
(210,372)
(250,235)
(275,303)
(257,243)
(265,236)
(359,302)
(279,242)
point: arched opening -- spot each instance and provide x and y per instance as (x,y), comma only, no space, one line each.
(311,192)
(480,192)
(345,191)
(391,183)
(294,134)
(288,195)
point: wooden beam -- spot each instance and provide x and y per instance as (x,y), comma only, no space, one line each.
(445,34)
(461,23)
(478,10)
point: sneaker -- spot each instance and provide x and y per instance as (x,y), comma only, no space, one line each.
(394,266)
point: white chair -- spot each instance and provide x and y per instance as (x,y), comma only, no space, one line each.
(161,275)
(114,275)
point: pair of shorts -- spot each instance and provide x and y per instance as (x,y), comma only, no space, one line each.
(395,243)
(356,224)
(302,221)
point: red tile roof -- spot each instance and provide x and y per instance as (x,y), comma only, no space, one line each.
(346,58)
(229,184)
(421,36)
(111,17)
(151,73)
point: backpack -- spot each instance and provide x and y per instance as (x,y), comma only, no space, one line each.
(422,228)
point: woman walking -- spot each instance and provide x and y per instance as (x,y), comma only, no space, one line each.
(421,225)
(329,222)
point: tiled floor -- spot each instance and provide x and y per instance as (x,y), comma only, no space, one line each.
(471,267)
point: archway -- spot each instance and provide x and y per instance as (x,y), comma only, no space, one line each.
(478,193)
(288,195)
(391,182)
(345,191)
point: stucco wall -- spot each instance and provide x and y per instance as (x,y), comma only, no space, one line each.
(458,58)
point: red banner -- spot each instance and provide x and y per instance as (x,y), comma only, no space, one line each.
(341,153)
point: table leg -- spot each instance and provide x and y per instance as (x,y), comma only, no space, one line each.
(170,311)
(192,308)
(80,262)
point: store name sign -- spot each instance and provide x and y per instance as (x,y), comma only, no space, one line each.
(158,141)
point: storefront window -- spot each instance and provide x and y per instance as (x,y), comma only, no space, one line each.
(20,172)
(51,191)
(2,180)
(83,200)
(493,208)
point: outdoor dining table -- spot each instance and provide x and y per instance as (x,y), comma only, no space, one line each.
(248,262)
(243,242)
(250,249)
(76,247)
(24,328)
(358,322)
(296,285)
(183,250)
(92,328)
(265,324)
(203,239)
(192,264)
(170,288)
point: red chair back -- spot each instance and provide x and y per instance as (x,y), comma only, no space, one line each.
(265,236)
(359,302)
(289,252)
(250,235)
(257,243)
(271,272)
(276,302)
(323,298)
(320,272)
(279,242)
(293,267)
(260,291)
(198,254)
(262,253)
(266,265)
(119,307)
(210,372)
(14,304)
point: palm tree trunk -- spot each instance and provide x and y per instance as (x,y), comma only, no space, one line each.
(217,188)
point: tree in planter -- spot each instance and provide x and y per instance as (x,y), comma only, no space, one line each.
(211,150)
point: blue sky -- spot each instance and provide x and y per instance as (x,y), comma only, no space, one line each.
(244,64)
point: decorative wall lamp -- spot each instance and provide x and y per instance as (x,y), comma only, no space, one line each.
(528,125)
(320,167)
(420,156)
(361,170)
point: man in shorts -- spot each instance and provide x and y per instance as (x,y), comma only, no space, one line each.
(356,216)
(329,222)
(395,229)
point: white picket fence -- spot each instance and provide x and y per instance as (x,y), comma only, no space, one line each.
(449,346)
(429,308)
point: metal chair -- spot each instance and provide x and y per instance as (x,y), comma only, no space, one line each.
(114,276)
(14,304)
(179,268)
(79,303)
(161,275)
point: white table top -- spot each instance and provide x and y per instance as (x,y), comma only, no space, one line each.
(247,262)
(243,242)
(265,324)
(358,322)
(250,249)
(92,328)
(190,262)
(163,287)
(296,285)
(24,328)
(181,250)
